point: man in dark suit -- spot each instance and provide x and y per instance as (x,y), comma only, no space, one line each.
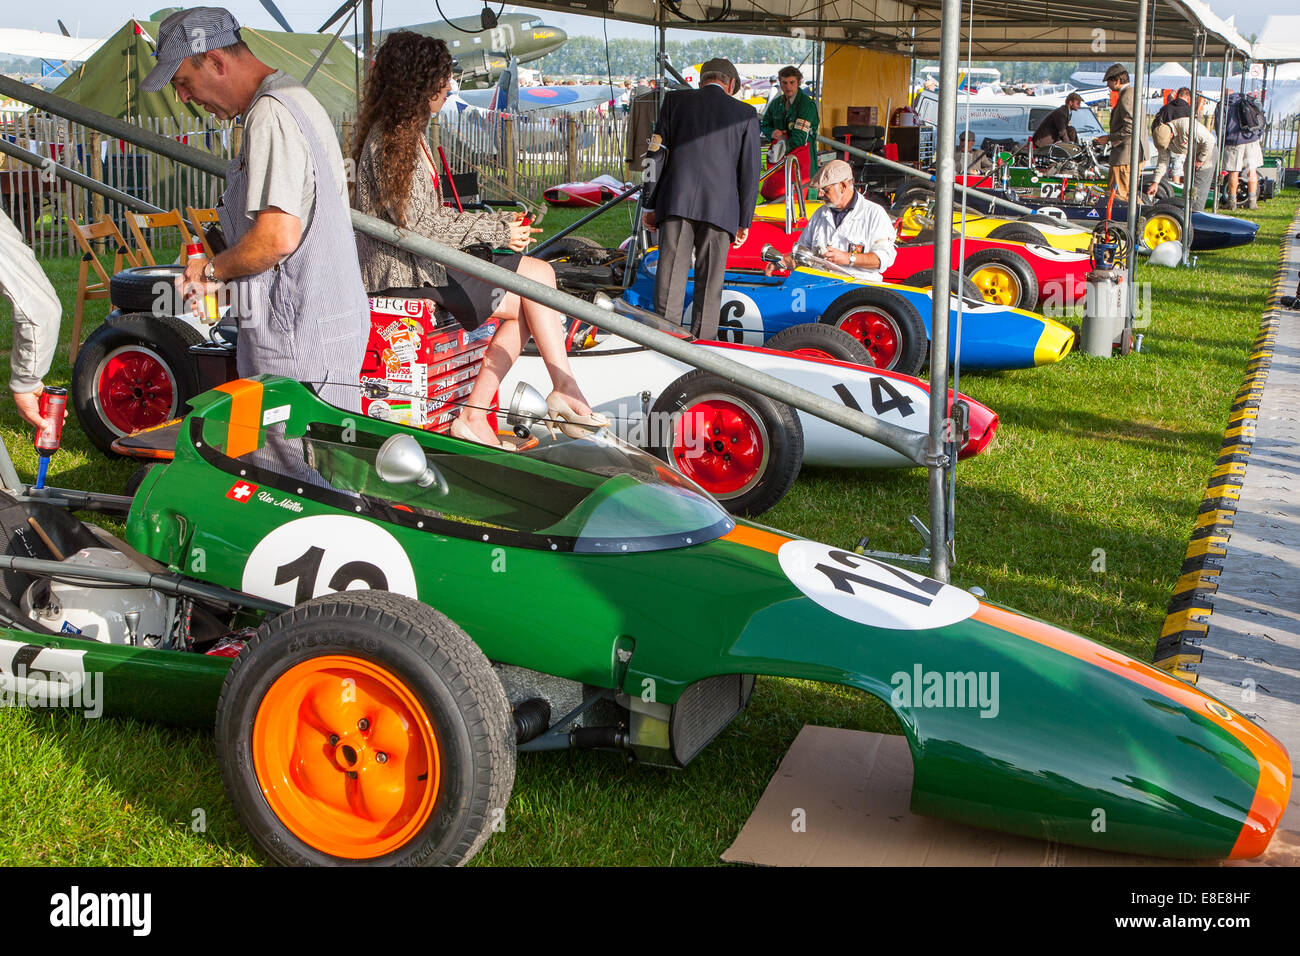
(703,194)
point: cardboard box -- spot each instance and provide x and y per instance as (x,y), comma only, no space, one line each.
(864,116)
(840,798)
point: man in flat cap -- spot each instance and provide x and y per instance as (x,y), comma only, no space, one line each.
(1121,129)
(703,194)
(847,229)
(290,257)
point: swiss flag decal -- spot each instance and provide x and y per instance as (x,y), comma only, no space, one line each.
(241,491)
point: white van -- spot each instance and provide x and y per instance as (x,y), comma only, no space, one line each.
(1007,116)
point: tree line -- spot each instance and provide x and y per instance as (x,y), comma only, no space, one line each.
(632,57)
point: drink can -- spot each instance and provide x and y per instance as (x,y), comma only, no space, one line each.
(54,400)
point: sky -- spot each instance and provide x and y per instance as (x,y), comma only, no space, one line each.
(102,17)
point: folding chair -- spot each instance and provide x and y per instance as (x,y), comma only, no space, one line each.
(199,218)
(85,235)
(137,222)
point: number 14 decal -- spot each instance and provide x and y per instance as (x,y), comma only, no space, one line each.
(884,397)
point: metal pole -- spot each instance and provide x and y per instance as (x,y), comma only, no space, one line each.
(945,174)
(1189,164)
(76,178)
(1135,167)
(908,170)
(368,40)
(906,442)
(1220,124)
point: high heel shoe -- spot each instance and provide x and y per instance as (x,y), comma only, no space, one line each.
(571,423)
(460,429)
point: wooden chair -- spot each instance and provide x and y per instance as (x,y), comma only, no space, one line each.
(87,291)
(137,222)
(199,218)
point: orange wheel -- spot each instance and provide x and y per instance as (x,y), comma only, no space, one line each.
(365,728)
(346,757)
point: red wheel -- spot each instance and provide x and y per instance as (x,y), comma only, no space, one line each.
(720,444)
(876,330)
(820,341)
(886,322)
(134,389)
(739,446)
(133,372)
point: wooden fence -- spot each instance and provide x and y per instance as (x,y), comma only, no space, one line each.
(524,154)
(38,201)
(513,155)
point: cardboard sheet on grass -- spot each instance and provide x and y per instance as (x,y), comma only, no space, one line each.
(855,788)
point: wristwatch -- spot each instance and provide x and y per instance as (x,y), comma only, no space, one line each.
(853,258)
(210,272)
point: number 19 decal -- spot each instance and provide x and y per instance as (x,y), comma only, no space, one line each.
(872,592)
(324,553)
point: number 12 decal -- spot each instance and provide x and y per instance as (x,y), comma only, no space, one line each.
(317,555)
(871,592)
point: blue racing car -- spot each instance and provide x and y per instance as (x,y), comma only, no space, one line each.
(892,321)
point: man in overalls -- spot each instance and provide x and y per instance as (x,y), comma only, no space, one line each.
(300,302)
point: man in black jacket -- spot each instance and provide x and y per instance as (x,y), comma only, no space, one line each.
(703,196)
(1055,126)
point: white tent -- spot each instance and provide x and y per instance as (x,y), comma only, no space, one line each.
(48,46)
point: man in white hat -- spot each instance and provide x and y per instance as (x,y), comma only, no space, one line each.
(290,253)
(848,229)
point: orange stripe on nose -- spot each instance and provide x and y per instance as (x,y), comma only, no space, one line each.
(1273,789)
(245,416)
(756,538)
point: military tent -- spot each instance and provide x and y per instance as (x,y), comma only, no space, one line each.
(110,80)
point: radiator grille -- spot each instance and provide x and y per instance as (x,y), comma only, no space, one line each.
(704,709)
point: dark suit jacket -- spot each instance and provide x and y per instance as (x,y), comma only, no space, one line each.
(711,174)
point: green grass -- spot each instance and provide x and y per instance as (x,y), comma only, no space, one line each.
(1092,454)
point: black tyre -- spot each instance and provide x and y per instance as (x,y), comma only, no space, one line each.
(364,727)
(132,372)
(925,280)
(741,447)
(568,246)
(1003,277)
(908,195)
(1160,223)
(885,322)
(137,479)
(820,341)
(1018,232)
(148,289)
(1040,219)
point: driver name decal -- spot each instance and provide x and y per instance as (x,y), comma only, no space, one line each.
(871,592)
(317,555)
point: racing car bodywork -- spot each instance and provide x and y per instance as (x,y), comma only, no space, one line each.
(665,406)
(1005,272)
(362,725)
(1160,222)
(586,194)
(893,321)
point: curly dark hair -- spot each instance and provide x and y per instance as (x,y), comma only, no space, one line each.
(409,70)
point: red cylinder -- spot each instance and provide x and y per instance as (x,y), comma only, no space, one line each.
(53,402)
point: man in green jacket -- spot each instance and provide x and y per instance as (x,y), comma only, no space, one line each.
(791,118)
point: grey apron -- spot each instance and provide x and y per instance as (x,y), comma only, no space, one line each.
(307,318)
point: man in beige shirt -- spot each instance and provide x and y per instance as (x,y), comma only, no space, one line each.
(1122,129)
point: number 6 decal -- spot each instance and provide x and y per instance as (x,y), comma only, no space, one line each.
(324,553)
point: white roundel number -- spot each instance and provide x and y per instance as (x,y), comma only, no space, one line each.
(740,320)
(871,592)
(312,556)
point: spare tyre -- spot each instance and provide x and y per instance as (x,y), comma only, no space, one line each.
(150,289)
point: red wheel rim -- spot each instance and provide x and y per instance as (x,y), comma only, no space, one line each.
(720,443)
(134,389)
(875,329)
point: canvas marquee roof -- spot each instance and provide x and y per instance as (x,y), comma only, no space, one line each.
(110,80)
(1003,29)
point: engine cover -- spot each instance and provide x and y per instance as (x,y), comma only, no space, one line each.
(97,612)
